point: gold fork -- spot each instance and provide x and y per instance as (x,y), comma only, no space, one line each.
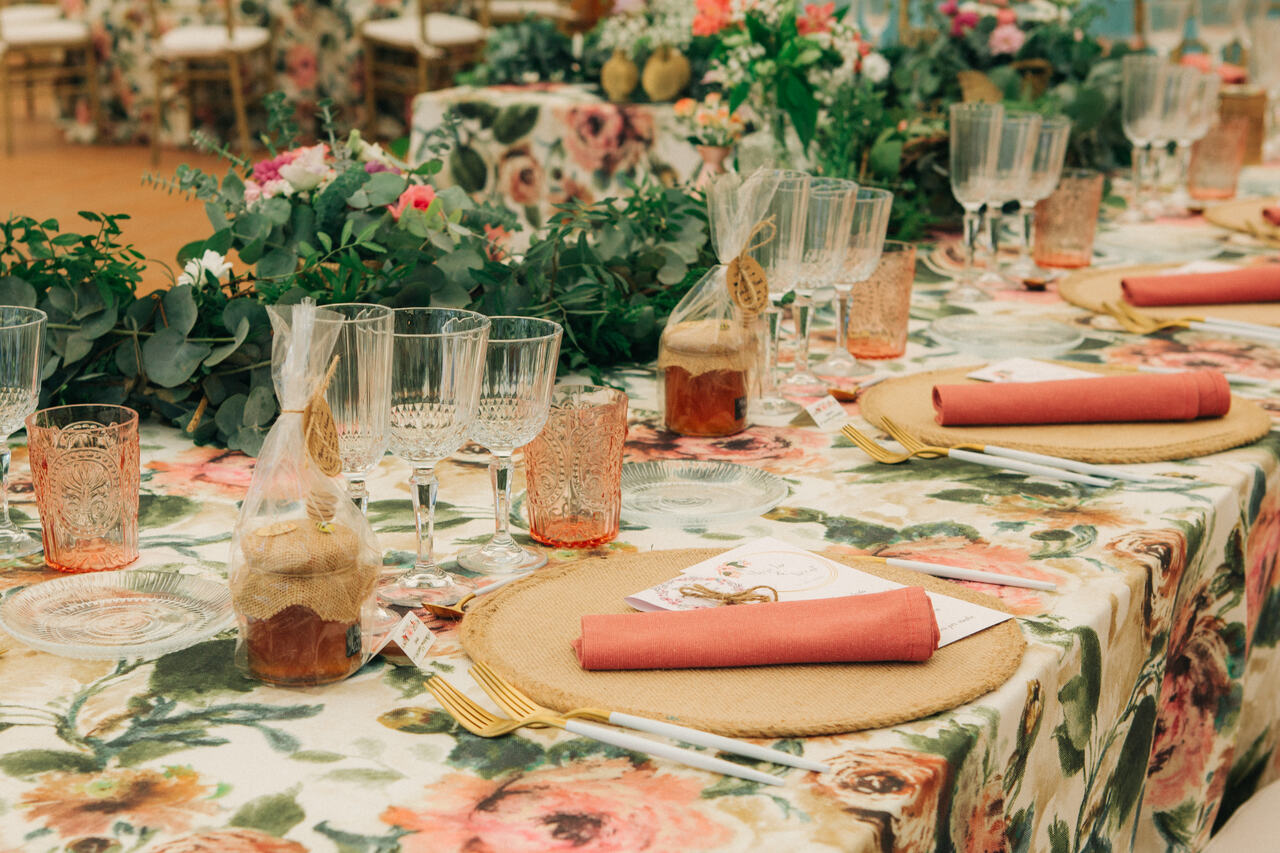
(514,702)
(880,453)
(1138,323)
(479,721)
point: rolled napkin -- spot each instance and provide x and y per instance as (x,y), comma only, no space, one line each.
(1107,399)
(898,625)
(1272,214)
(1248,284)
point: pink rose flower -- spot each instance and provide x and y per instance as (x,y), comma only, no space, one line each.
(951,8)
(963,22)
(269,170)
(816,19)
(521,177)
(606,806)
(607,138)
(204,471)
(903,785)
(1006,16)
(1006,38)
(418,197)
(712,17)
(300,63)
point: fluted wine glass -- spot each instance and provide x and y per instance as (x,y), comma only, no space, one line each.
(21,345)
(975,145)
(823,246)
(874,16)
(1201,110)
(515,399)
(867,230)
(779,257)
(1218,24)
(1046,168)
(1019,136)
(359,393)
(1164,24)
(437,359)
(1141,96)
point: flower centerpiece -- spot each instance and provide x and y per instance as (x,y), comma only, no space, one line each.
(713,129)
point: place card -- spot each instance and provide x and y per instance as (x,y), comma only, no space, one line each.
(827,413)
(800,575)
(1028,370)
(412,636)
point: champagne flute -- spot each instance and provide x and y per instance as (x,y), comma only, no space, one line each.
(1164,24)
(867,230)
(975,145)
(515,399)
(21,347)
(873,16)
(780,260)
(1019,136)
(1046,168)
(824,243)
(1218,24)
(359,394)
(437,359)
(1140,97)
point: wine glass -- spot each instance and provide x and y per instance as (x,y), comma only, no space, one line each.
(515,399)
(1019,136)
(1046,168)
(1265,72)
(1164,24)
(779,257)
(437,359)
(21,345)
(867,230)
(359,394)
(823,245)
(873,15)
(1174,107)
(975,145)
(1142,82)
(1218,24)
(1202,109)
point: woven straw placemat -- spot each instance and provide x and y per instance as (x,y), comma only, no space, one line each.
(1090,288)
(1245,215)
(908,401)
(524,632)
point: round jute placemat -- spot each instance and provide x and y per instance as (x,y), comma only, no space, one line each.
(1245,215)
(908,401)
(1089,289)
(524,632)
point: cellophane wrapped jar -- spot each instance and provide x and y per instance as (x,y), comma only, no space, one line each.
(303,557)
(707,356)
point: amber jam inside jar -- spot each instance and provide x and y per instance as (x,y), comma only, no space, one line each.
(297,648)
(706,379)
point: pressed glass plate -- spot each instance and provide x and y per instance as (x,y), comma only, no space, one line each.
(1004,337)
(690,493)
(111,615)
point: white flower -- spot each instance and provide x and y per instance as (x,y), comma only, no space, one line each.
(194,272)
(875,67)
(309,169)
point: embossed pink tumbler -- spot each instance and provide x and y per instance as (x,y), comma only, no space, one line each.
(575,468)
(84,464)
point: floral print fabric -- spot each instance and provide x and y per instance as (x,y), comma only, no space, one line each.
(1145,707)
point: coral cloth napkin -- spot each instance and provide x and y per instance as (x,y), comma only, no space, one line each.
(1250,284)
(898,625)
(1132,397)
(1272,214)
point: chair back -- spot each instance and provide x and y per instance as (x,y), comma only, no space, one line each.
(477,9)
(206,9)
(4,3)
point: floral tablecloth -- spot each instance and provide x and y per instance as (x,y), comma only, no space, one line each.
(1148,702)
(532,147)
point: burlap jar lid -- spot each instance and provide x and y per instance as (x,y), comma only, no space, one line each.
(700,346)
(302,562)
(1089,289)
(524,632)
(1245,215)
(908,401)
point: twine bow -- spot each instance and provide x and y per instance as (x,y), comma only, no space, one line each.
(746,596)
(746,279)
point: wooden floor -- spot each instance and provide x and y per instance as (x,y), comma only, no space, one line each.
(49,177)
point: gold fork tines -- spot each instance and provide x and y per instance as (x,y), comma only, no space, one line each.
(883,454)
(518,704)
(910,442)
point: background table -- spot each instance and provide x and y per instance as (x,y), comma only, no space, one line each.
(530,148)
(1147,698)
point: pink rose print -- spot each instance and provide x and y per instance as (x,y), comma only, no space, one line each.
(601,806)
(985,831)
(957,551)
(300,62)
(1261,555)
(193,471)
(230,841)
(521,176)
(606,137)
(1229,356)
(782,451)
(74,804)
(895,790)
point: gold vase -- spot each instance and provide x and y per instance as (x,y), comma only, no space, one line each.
(618,77)
(665,74)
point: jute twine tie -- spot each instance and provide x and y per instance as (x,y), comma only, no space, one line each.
(748,284)
(318,427)
(746,596)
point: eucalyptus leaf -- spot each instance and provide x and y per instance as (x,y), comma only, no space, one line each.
(220,353)
(230,415)
(260,407)
(16,291)
(180,312)
(97,325)
(170,359)
(384,188)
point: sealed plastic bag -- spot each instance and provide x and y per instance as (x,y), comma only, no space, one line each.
(707,355)
(303,558)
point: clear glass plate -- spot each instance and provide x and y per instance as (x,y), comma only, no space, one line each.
(122,614)
(1155,243)
(685,493)
(1004,337)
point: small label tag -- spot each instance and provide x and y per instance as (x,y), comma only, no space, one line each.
(827,413)
(739,408)
(353,640)
(1027,370)
(413,637)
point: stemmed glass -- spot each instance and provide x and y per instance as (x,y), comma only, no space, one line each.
(515,399)
(359,394)
(866,240)
(437,361)
(1202,109)
(1164,24)
(1218,23)
(21,345)
(779,257)
(1019,136)
(1174,106)
(975,145)
(823,246)
(1265,71)
(1046,168)
(873,15)
(1142,85)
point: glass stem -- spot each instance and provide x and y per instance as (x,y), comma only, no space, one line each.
(1183,172)
(4,483)
(425,487)
(842,320)
(972,225)
(769,376)
(1026,213)
(1139,154)
(802,309)
(358,491)
(501,469)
